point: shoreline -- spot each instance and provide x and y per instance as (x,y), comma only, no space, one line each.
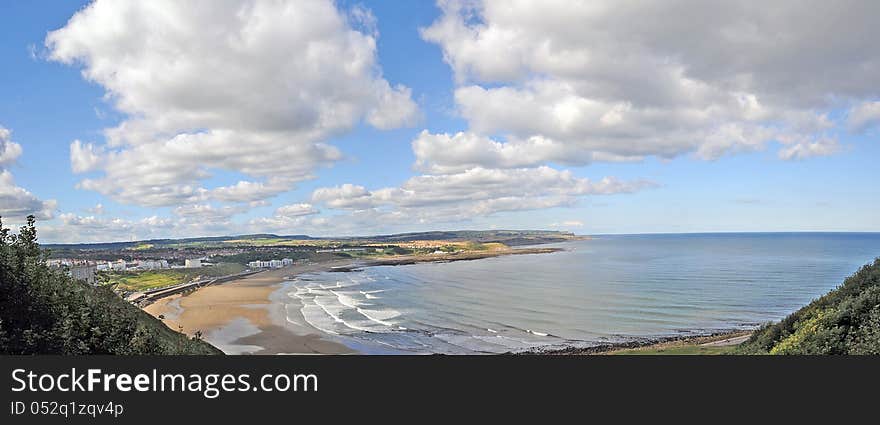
(251,315)
(246,316)
(656,345)
(403,260)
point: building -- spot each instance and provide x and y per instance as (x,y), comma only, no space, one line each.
(271,264)
(84,272)
(152,264)
(193,263)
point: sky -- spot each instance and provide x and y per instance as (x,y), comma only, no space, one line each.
(128,120)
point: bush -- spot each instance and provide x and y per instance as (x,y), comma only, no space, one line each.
(844,321)
(43,311)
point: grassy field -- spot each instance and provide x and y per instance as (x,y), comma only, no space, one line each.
(141,247)
(141,281)
(685,347)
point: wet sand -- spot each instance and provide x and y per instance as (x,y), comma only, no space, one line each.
(246,317)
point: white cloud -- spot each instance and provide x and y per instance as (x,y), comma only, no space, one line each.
(293,218)
(474,192)
(296,210)
(568,223)
(77,229)
(9,150)
(17,202)
(84,157)
(248,191)
(864,116)
(207,213)
(605,79)
(192,221)
(253,87)
(808,149)
(98,209)
(347,196)
(443,153)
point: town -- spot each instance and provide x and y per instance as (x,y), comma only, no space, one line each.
(132,268)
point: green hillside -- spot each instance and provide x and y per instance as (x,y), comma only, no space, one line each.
(43,311)
(844,321)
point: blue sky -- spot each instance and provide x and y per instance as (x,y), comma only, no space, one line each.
(680,158)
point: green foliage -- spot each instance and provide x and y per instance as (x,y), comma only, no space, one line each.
(144,280)
(43,311)
(678,350)
(844,321)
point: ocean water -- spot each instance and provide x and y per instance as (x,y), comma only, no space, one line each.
(610,288)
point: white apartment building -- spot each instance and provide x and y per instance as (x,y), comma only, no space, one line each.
(271,264)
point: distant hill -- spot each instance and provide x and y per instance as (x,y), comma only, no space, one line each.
(844,321)
(163,242)
(43,311)
(508,237)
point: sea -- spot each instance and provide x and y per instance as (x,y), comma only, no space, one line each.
(612,288)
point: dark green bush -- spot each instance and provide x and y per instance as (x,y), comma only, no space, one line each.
(844,321)
(43,311)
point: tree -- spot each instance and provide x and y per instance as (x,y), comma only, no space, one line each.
(43,311)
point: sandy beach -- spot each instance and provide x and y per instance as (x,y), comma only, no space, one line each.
(246,317)
(251,316)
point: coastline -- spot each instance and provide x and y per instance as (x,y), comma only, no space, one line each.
(245,316)
(254,315)
(660,345)
(250,315)
(402,260)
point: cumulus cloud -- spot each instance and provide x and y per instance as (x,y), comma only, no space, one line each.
(248,191)
(290,218)
(17,202)
(9,150)
(444,153)
(658,78)
(296,210)
(74,228)
(207,212)
(474,192)
(190,221)
(254,87)
(84,157)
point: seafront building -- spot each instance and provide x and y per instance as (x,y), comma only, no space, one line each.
(271,264)
(152,265)
(83,270)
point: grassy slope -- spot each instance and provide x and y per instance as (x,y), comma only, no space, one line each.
(140,281)
(56,315)
(844,321)
(163,340)
(683,349)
